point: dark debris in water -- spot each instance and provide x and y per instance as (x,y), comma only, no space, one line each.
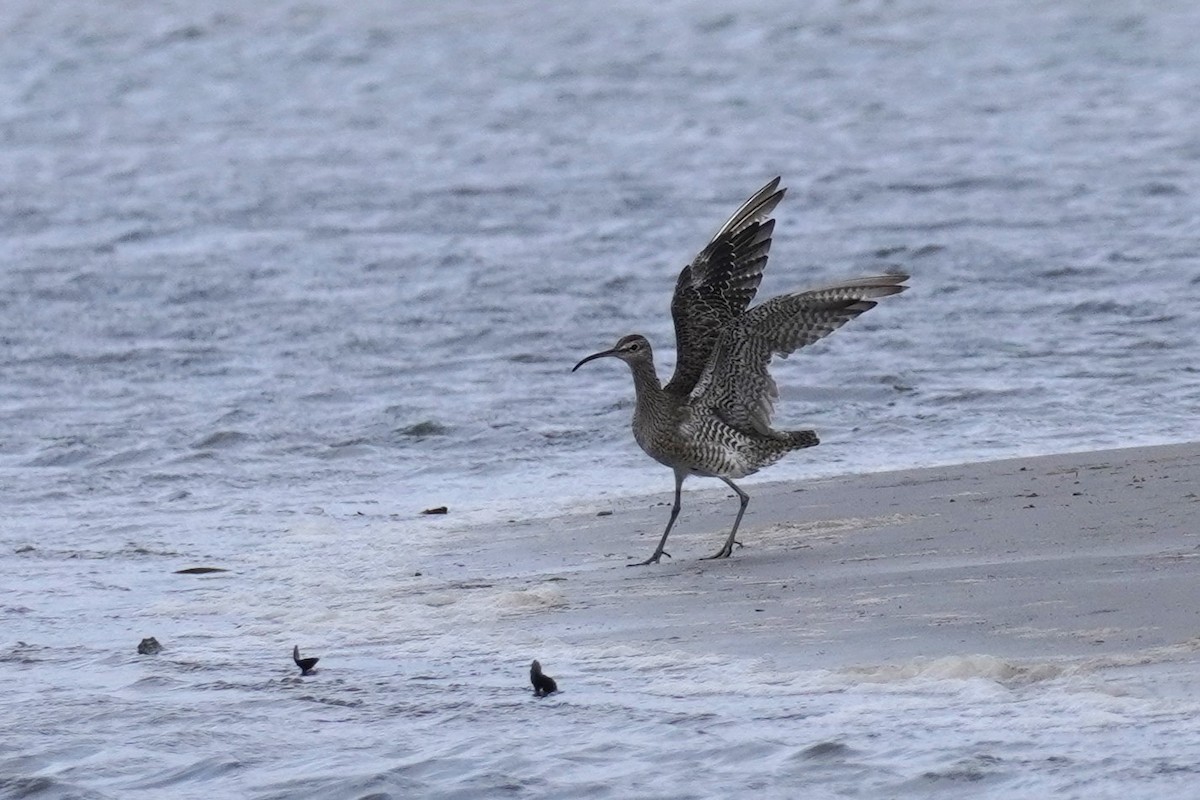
(199,570)
(306,665)
(437,510)
(149,647)
(543,685)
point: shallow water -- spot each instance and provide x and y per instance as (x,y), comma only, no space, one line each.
(267,269)
(421,691)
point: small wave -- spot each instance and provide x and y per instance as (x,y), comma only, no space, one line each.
(44,788)
(134,549)
(60,457)
(155,683)
(126,457)
(221,440)
(960,668)
(1162,189)
(530,358)
(23,653)
(477,190)
(201,294)
(975,395)
(1066,271)
(978,183)
(425,428)
(202,770)
(972,770)
(1102,307)
(132,236)
(530,600)
(825,750)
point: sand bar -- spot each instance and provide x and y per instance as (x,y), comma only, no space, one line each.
(1073,556)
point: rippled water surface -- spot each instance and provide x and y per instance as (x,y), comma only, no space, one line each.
(266,265)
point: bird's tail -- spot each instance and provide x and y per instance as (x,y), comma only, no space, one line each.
(801,439)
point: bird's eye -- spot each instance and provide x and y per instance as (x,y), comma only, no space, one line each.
(634,347)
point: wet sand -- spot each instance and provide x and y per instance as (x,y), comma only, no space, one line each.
(1066,557)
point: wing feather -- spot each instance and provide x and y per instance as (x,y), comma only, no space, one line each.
(720,283)
(736,384)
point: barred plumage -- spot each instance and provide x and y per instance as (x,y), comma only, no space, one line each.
(714,416)
(719,284)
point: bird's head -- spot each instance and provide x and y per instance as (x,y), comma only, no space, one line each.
(630,349)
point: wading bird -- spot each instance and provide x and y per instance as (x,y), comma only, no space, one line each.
(713,418)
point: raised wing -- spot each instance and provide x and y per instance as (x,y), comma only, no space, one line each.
(720,283)
(736,384)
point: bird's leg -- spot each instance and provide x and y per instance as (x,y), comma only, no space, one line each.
(727,549)
(658,551)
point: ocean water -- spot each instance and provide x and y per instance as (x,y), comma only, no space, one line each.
(268,268)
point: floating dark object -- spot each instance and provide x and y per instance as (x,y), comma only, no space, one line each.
(305,664)
(199,570)
(542,684)
(149,647)
(438,510)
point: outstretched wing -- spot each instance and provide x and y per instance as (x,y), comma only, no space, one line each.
(720,283)
(736,384)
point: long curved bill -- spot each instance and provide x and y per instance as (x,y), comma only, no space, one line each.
(593,357)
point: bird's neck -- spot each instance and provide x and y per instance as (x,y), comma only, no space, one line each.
(645,385)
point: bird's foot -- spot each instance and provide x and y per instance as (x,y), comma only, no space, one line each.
(652,559)
(724,552)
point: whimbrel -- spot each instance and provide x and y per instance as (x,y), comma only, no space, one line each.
(713,418)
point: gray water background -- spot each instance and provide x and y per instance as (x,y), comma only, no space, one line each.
(315,252)
(266,262)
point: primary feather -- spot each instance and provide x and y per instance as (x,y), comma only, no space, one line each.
(719,284)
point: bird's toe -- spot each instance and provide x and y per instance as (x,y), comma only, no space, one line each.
(651,560)
(724,552)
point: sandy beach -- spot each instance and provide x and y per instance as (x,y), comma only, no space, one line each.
(1066,557)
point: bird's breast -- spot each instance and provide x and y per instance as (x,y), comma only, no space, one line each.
(664,436)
